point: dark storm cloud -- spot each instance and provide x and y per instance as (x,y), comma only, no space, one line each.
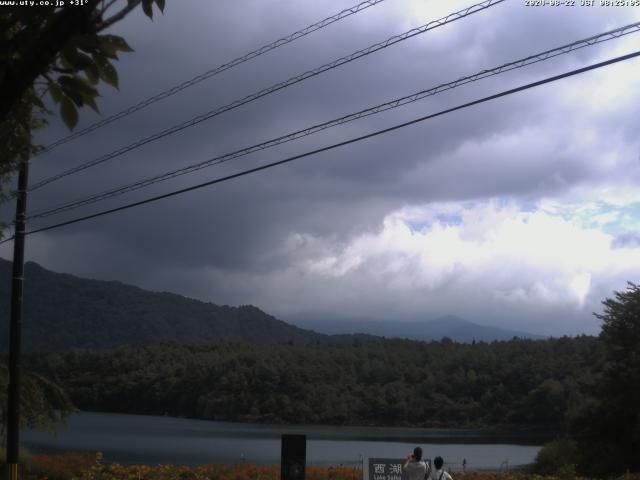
(234,233)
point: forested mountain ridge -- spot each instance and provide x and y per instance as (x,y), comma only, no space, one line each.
(519,383)
(62,311)
(451,326)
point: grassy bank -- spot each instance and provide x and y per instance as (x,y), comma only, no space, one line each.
(75,466)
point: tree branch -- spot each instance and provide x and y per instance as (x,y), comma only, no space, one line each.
(118,16)
(108,5)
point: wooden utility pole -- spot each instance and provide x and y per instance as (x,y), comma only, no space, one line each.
(13,401)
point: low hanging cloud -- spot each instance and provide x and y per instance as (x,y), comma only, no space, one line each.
(499,262)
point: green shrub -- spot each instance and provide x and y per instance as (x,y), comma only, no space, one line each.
(558,457)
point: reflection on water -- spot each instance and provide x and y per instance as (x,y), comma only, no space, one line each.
(147,439)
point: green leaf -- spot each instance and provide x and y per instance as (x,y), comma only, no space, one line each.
(69,89)
(75,96)
(65,63)
(86,43)
(38,103)
(83,61)
(109,74)
(68,112)
(108,50)
(93,73)
(55,92)
(99,58)
(76,83)
(90,100)
(69,56)
(160,4)
(146,8)
(107,71)
(116,42)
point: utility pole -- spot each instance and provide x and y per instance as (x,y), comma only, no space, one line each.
(13,401)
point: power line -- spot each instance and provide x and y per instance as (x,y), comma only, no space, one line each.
(215,71)
(274,88)
(593,40)
(340,144)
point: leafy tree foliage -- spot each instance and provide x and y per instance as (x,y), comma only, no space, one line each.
(555,455)
(43,403)
(56,51)
(389,382)
(607,428)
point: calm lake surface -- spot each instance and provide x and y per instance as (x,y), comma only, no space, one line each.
(148,439)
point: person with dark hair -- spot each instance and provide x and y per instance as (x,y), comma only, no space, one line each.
(414,466)
(438,473)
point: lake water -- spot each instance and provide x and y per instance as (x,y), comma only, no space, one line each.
(147,439)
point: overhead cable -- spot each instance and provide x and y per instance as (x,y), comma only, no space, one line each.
(274,88)
(215,71)
(339,144)
(532,59)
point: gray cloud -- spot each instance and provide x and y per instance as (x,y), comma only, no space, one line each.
(627,240)
(231,243)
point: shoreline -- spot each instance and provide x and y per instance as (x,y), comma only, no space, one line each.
(516,436)
(148,439)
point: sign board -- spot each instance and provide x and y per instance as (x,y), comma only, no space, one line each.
(387,469)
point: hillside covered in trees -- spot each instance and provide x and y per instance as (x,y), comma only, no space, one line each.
(582,389)
(64,311)
(519,383)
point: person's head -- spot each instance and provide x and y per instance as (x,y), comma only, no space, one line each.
(417,454)
(438,462)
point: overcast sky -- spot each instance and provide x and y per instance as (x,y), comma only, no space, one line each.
(522,213)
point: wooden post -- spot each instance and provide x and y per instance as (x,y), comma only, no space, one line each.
(15,334)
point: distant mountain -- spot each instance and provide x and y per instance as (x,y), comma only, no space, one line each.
(449,326)
(63,311)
